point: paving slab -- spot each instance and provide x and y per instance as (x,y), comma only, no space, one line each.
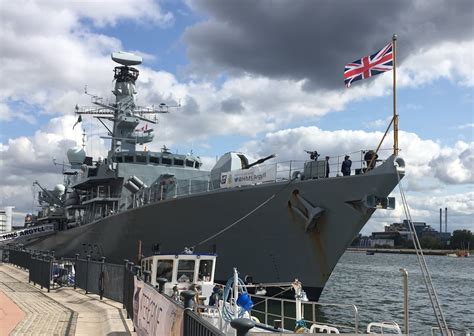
(63,311)
(10,314)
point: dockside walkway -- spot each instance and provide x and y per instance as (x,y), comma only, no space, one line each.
(26,309)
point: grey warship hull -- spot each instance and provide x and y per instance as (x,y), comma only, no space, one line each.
(300,233)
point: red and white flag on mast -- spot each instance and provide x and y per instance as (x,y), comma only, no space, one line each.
(369,66)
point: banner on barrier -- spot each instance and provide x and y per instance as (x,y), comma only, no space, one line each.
(243,177)
(153,314)
(39,230)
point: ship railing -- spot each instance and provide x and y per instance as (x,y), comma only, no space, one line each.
(99,192)
(285,171)
(281,312)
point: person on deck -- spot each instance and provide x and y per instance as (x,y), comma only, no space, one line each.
(370,158)
(327,166)
(346,166)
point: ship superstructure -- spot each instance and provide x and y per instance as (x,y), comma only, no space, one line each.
(107,186)
(289,220)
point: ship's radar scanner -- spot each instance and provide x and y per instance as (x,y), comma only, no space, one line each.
(126,58)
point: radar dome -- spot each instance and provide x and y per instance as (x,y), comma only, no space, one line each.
(59,189)
(76,156)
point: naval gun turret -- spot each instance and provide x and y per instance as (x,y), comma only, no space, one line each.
(51,197)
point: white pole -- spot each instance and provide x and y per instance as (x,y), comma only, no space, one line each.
(405,300)
(236,293)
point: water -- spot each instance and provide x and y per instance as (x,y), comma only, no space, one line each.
(375,285)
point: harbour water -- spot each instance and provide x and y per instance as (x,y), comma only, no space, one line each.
(374,283)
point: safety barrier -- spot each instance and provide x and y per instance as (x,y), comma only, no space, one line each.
(195,325)
(39,265)
(19,258)
(101,278)
(40,270)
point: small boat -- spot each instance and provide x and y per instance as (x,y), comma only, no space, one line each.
(459,254)
(165,281)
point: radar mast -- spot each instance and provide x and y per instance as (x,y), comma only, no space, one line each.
(124,113)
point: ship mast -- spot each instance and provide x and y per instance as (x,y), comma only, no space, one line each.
(124,113)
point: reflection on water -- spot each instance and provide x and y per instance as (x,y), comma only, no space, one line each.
(374,283)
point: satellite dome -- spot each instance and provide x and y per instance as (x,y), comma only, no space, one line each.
(76,156)
(59,189)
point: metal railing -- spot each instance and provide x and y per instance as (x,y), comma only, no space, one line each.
(194,325)
(284,310)
(99,277)
(19,258)
(40,270)
(285,171)
(39,265)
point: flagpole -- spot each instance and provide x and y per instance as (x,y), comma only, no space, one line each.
(395,115)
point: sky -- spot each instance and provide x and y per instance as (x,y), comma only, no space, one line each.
(260,77)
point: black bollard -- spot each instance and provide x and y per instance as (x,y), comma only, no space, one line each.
(161,284)
(242,325)
(188,297)
(102,278)
(88,258)
(137,270)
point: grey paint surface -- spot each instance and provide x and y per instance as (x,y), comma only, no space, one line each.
(270,245)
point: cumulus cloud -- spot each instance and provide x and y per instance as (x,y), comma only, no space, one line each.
(312,40)
(466,126)
(232,105)
(49,54)
(455,165)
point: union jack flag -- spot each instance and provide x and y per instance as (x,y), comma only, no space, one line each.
(369,66)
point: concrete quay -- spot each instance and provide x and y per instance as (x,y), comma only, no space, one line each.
(26,309)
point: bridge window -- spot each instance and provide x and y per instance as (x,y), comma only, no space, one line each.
(164,269)
(154,159)
(166,160)
(141,158)
(178,162)
(189,163)
(128,158)
(119,159)
(185,271)
(205,270)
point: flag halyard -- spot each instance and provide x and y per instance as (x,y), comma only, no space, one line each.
(369,66)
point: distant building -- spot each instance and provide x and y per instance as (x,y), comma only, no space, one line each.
(6,219)
(400,232)
(381,242)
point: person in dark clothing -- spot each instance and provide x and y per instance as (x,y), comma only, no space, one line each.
(327,166)
(370,158)
(346,166)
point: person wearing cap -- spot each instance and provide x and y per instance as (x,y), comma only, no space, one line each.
(327,166)
(346,166)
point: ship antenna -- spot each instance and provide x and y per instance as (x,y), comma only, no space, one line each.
(83,138)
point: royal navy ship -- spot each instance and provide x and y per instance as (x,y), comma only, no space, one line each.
(273,221)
